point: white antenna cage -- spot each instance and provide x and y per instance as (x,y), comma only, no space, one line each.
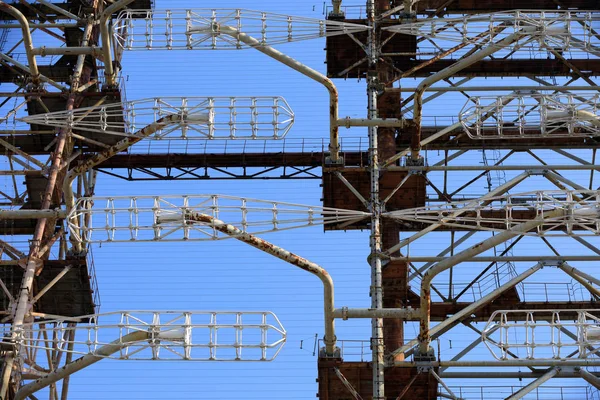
(195,118)
(558,30)
(198,29)
(531,115)
(542,334)
(171,335)
(171,218)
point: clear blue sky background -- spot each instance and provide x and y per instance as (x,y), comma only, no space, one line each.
(232,276)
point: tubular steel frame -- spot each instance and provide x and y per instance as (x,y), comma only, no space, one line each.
(564,203)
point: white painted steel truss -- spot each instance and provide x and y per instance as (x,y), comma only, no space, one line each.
(543,335)
(171,335)
(195,118)
(198,29)
(172,218)
(531,115)
(557,30)
(581,213)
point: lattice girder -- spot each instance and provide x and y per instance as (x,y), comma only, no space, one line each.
(198,29)
(196,118)
(542,334)
(557,30)
(170,218)
(171,335)
(531,115)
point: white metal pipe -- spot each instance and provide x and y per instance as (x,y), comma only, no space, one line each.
(282,254)
(109,71)
(445,73)
(87,32)
(424,335)
(570,270)
(48,25)
(402,313)
(535,384)
(493,193)
(504,375)
(81,363)
(423,142)
(376,207)
(589,378)
(51,283)
(589,362)
(334,147)
(27,42)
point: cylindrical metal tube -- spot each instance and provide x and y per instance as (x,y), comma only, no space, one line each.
(81,363)
(32,214)
(270,248)
(424,335)
(535,384)
(109,71)
(27,42)
(445,73)
(72,50)
(334,146)
(402,313)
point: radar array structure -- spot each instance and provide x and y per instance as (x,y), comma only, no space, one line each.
(502,193)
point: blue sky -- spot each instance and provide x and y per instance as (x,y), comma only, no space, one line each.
(232,276)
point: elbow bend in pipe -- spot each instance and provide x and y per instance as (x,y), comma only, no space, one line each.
(27,41)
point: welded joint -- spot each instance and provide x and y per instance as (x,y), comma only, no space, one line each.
(551,263)
(543,170)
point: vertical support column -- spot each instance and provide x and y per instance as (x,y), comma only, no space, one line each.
(44,227)
(395,273)
(377,346)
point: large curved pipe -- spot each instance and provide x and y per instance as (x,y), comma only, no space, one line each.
(334,147)
(109,71)
(446,73)
(27,42)
(287,256)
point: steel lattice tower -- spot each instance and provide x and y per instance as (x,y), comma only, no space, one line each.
(416,188)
